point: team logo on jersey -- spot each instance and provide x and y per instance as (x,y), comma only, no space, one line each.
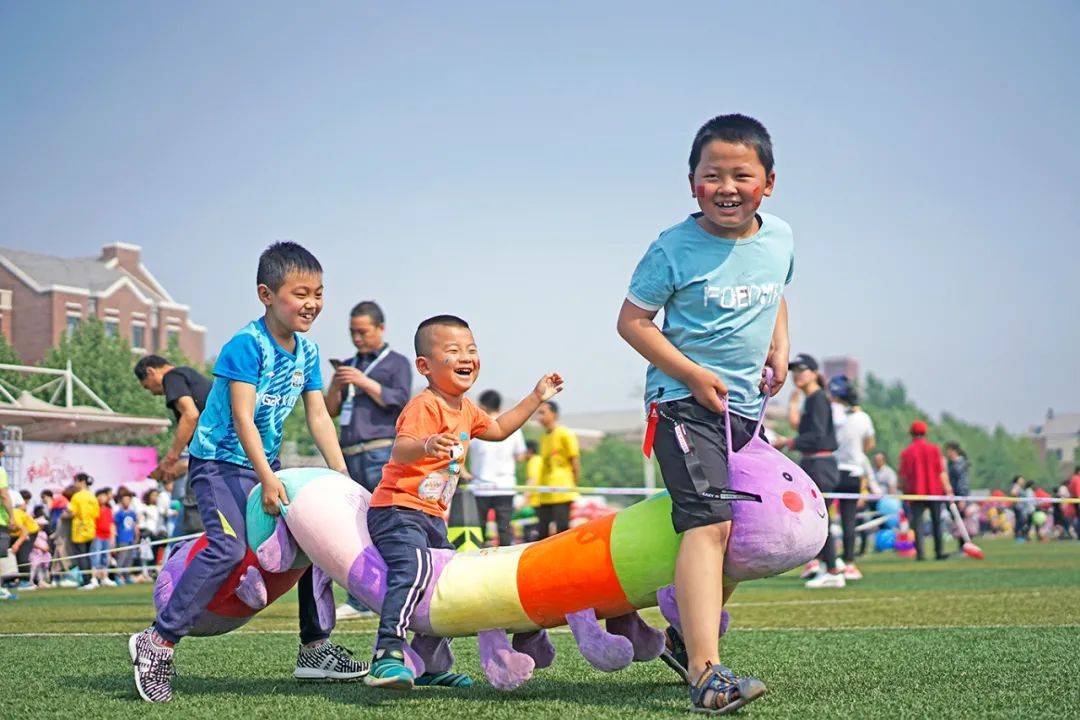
(298,378)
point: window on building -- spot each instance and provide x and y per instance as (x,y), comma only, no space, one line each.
(73,322)
(171,337)
(112,327)
(138,337)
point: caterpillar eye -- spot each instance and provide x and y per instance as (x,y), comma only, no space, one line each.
(787,476)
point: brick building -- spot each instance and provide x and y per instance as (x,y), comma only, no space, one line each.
(43,296)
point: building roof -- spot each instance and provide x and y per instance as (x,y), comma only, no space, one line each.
(46,271)
(1060,425)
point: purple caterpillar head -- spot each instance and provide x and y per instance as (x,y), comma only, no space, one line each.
(785,527)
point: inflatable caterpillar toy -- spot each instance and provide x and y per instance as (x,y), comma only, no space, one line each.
(606,569)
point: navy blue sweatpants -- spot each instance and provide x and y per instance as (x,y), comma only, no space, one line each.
(221,490)
(404,538)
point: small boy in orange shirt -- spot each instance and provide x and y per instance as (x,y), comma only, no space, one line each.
(408,507)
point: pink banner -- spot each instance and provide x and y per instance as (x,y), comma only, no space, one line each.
(53,465)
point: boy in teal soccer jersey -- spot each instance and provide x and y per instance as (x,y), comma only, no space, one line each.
(719,276)
(258,378)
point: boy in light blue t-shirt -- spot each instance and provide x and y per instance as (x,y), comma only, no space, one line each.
(259,375)
(719,277)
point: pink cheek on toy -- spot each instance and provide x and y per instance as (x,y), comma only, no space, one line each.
(792,501)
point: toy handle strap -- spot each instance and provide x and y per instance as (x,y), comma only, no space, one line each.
(761,415)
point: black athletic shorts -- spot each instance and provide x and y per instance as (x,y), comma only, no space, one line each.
(696,471)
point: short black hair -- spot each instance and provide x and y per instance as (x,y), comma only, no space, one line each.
(83,477)
(552,404)
(422,338)
(955,447)
(25,494)
(532,446)
(3,447)
(491,400)
(283,258)
(48,492)
(103,491)
(736,128)
(147,362)
(368,308)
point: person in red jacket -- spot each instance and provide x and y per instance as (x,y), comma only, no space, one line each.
(922,472)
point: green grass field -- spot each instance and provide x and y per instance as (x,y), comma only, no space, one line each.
(954,639)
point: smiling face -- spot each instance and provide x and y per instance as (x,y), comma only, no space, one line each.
(295,305)
(729,184)
(452,361)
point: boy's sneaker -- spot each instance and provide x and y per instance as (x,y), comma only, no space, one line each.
(827,580)
(92,585)
(852,573)
(108,582)
(328,661)
(812,568)
(26,587)
(153,665)
(388,670)
(345,611)
(6,594)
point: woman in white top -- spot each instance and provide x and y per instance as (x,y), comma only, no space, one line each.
(855,438)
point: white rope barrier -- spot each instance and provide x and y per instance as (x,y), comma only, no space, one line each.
(165,541)
(829,495)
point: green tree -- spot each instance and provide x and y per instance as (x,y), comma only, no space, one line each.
(105,365)
(13,382)
(613,463)
(995,456)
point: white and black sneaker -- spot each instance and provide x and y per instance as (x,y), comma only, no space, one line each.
(328,661)
(153,665)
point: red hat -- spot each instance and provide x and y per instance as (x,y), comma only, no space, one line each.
(918,428)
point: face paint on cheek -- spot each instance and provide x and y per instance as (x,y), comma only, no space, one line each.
(755,192)
(699,192)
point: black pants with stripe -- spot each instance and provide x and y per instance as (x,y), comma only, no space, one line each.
(404,538)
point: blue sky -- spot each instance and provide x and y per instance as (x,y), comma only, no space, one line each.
(511,164)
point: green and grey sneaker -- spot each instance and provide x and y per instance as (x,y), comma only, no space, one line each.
(327,661)
(388,670)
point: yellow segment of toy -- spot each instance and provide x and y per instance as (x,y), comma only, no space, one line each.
(478,590)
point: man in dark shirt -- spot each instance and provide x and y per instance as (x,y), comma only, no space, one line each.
(185,390)
(368,392)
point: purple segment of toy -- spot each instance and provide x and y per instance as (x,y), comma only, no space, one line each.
(603,650)
(252,589)
(787,526)
(367,578)
(413,661)
(278,552)
(784,530)
(536,645)
(434,651)
(665,599)
(505,668)
(322,586)
(422,615)
(168,575)
(647,641)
